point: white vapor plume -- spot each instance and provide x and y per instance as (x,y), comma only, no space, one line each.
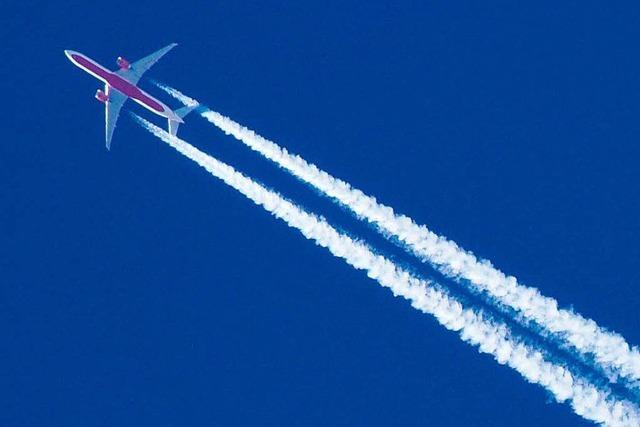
(608,348)
(587,400)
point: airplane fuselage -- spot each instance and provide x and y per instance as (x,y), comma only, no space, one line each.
(122,85)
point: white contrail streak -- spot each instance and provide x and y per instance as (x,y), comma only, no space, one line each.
(608,348)
(587,400)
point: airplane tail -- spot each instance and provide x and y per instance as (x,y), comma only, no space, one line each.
(180,112)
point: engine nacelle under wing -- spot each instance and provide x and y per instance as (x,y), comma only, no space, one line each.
(123,63)
(101,96)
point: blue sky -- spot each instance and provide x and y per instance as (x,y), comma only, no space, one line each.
(139,290)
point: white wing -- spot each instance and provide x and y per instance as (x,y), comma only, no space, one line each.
(139,67)
(112,110)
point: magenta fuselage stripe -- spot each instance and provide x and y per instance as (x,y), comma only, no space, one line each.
(117,82)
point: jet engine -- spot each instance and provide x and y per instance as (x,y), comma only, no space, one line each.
(123,63)
(101,96)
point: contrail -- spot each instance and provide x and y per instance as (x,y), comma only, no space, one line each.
(588,401)
(608,348)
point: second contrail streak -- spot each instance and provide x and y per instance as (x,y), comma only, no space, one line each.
(588,401)
(610,349)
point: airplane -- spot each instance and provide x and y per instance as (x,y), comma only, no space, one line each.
(121,84)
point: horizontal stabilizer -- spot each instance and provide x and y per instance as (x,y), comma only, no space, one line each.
(180,112)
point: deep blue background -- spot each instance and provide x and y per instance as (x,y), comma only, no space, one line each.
(138,290)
